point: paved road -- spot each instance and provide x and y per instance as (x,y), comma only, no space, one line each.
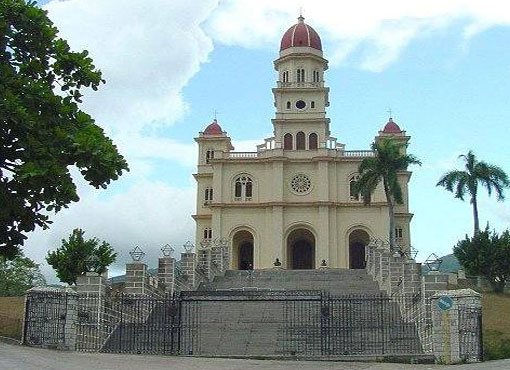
(14,357)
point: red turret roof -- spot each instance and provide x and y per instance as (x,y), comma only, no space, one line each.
(213,129)
(391,128)
(301,34)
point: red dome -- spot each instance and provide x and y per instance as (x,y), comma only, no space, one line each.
(391,128)
(213,129)
(301,34)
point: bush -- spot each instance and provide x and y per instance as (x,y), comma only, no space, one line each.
(496,346)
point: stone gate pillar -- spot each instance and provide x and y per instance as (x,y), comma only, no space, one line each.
(166,273)
(456,326)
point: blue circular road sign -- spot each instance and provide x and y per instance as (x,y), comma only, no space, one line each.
(445,303)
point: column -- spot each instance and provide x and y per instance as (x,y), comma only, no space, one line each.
(456,326)
(166,274)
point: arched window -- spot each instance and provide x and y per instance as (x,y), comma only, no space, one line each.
(316,76)
(300,141)
(300,75)
(287,142)
(209,154)
(312,141)
(285,76)
(288,105)
(243,188)
(355,196)
(208,195)
(312,104)
(208,233)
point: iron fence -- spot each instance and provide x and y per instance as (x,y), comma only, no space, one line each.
(258,322)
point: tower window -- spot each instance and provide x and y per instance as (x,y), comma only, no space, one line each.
(300,75)
(243,188)
(300,141)
(287,142)
(312,104)
(208,233)
(398,233)
(316,76)
(285,76)
(312,141)
(288,105)
(208,195)
(209,154)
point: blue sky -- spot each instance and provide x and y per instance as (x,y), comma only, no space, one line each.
(441,66)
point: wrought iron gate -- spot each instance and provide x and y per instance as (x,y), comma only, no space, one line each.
(470,333)
(45,319)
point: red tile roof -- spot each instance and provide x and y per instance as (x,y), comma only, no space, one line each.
(301,34)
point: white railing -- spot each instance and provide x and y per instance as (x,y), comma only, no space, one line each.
(235,155)
(358,153)
(299,84)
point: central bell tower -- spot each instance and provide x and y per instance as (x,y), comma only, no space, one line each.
(300,96)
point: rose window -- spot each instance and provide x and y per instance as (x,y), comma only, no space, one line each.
(301,184)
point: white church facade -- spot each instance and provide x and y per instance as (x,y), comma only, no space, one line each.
(292,199)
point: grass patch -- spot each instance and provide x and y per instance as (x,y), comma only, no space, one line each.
(11,316)
(496,325)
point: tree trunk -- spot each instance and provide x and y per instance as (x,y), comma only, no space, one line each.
(475,216)
(391,213)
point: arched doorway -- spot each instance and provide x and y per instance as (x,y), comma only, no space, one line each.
(301,250)
(358,240)
(243,250)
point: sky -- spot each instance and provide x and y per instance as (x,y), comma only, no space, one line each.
(442,67)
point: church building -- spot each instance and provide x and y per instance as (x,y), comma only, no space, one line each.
(292,199)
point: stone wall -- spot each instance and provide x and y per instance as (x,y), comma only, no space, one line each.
(401,278)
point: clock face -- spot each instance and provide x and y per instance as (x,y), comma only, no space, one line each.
(300,104)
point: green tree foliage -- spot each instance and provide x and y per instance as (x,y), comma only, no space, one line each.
(42,129)
(389,160)
(69,261)
(18,275)
(466,182)
(486,254)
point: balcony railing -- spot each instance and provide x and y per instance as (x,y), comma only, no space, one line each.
(300,84)
(231,155)
(358,153)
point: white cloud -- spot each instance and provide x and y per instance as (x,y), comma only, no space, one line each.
(381,29)
(147,50)
(149,214)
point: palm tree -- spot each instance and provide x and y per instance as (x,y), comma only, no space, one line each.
(388,161)
(462,182)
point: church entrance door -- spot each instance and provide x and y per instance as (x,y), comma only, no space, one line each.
(301,250)
(242,248)
(246,256)
(358,240)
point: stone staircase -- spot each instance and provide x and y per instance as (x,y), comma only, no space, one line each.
(327,313)
(337,282)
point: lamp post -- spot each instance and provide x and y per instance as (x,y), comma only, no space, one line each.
(91,263)
(188,247)
(137,254)
(433,263)
(167,250)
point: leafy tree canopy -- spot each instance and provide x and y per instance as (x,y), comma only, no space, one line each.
(71,259)
(486,254)
(42,129)
(18,275)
